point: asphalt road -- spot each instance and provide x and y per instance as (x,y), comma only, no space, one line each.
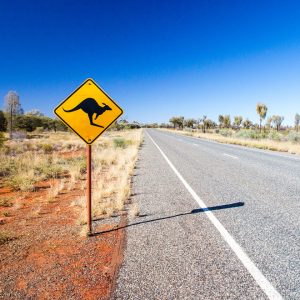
(176,251)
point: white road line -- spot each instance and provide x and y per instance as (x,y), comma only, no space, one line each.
(232,156)
(195,144)
(261,280)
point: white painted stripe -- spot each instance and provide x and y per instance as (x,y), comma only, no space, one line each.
(232,156)
(261,280)
(195,144)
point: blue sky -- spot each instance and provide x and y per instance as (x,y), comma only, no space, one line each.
(157,59)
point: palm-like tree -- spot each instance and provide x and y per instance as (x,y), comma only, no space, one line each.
(227,121)
(221,120)
(247,124)
(237,121)
(277,121)
(173,120)
(297,121)
(261,110)
(204,123)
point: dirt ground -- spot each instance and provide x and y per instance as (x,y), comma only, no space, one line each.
(48,256)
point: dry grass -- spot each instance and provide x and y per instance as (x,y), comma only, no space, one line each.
(51,158)
(135,211)
(5,202)
(266,144)
(6,237)
(24,163)
(113,164)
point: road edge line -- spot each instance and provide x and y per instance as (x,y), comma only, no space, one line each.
(260,279)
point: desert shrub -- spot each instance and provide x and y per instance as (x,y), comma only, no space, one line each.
(48,170)
(7,167)
(82,167)
(5,237)
(39,130)
(120,143)
(4,202)
(22,182)
(47,148)
(79,163)
(19,135)
(28,146)
(225,132)
(1,139)
(293,137)
(247,134)
(274,135)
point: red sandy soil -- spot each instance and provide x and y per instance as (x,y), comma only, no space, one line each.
(49,258)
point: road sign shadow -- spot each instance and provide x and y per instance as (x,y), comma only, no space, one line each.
(192,212)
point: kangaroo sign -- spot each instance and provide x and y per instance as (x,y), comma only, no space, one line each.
(88,111)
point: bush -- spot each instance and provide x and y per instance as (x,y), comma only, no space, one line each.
(19,135)
(22,182)
(47,148)
(39,130)
(225,132)
(4,202)
(247,134)
(1,139)
(48,171)
(274,135)
(6,237)
(294,137)
(120,143)
(7,167)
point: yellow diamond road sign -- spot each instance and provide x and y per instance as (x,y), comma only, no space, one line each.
(88,111)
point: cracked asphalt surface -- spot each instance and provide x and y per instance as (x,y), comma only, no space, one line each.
(174,252)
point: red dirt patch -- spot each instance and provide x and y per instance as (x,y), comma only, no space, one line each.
(49,259)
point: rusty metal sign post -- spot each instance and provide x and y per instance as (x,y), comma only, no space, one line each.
(80,111)
(89,188)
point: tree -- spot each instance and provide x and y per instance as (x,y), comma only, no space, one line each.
(221,120)
(237,121)
(190,122)
(297,121)
(203,120)
(3,122)
(269,122)
(227,121)
(180,122)
(277,121)
(173,120)
(35,112)
(247,124)
(261,110)
(13,108)
(209,123)
(177,121)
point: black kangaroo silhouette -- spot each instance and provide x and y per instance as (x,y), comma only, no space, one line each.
(91,107)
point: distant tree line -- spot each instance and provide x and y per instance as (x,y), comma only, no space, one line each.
(224,121)
(13,118)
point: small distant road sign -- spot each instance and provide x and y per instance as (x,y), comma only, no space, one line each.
(88,111)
